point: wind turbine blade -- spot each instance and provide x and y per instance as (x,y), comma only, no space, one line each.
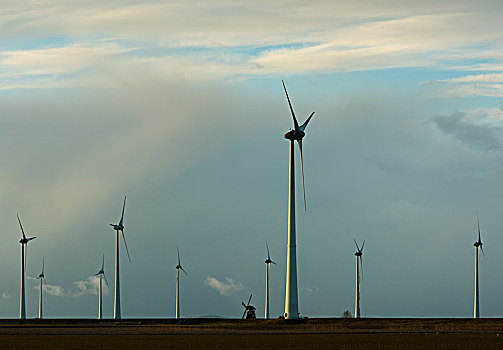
(361,263)
(178,254)
(267,246)
(31,238)
(122,216)
(302,169)
(297,128)
(125,244)
(249,301)
(181,268)
(45,282)
(105,277)
(103,263)
(272,262)
(478,225)
(303,126)
(43,265)
(25,256)
(482,249)
(357,248)
(363,245)
(22,231)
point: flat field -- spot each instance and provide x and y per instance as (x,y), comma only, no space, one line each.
(329,333)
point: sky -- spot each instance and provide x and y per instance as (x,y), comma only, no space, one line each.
(179,105)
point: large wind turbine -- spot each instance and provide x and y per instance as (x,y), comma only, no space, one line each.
(117,228)
(477,245)
(268,263)
(178,268)
(41,277)
(291,293)
(24,242)
(101,273)
(359,260)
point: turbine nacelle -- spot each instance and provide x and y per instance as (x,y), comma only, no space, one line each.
(117,227)
(293,135)
(26,240)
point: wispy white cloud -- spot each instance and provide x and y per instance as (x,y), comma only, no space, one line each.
(402,209)
(91,285)
(224,288)
(51,289)
(472,78)
(325,36)
(310,289)
(88,286)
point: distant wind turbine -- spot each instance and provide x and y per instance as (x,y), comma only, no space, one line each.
(178,268)
(477,245)
(41,277)
(101,274)
(24,242)
(117,228)
(359,260)
(291,291)
(268,263)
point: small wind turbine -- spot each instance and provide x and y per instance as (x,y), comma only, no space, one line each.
(24,242)
(359,260)
(249,309)
(268,263)
(178,268)
(41,277)
(117,228)
(477,245)
(101,273)
(291,291)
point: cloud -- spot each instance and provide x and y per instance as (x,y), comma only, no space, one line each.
(313,289)
(90,285)
(490,85)
(402,209)
(5,296)
(241,38)
(472,78)
(224,288)
(51,289)
(476,135)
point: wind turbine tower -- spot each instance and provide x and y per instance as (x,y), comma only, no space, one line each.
(477,245)
(291,291)
(268,263)
(119,228)
(41,277)
(24,253)
(101,274)
(359,260)
(178,268)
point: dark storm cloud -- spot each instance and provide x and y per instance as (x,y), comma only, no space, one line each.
(474,135)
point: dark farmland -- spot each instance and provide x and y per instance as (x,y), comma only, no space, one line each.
(365,333)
